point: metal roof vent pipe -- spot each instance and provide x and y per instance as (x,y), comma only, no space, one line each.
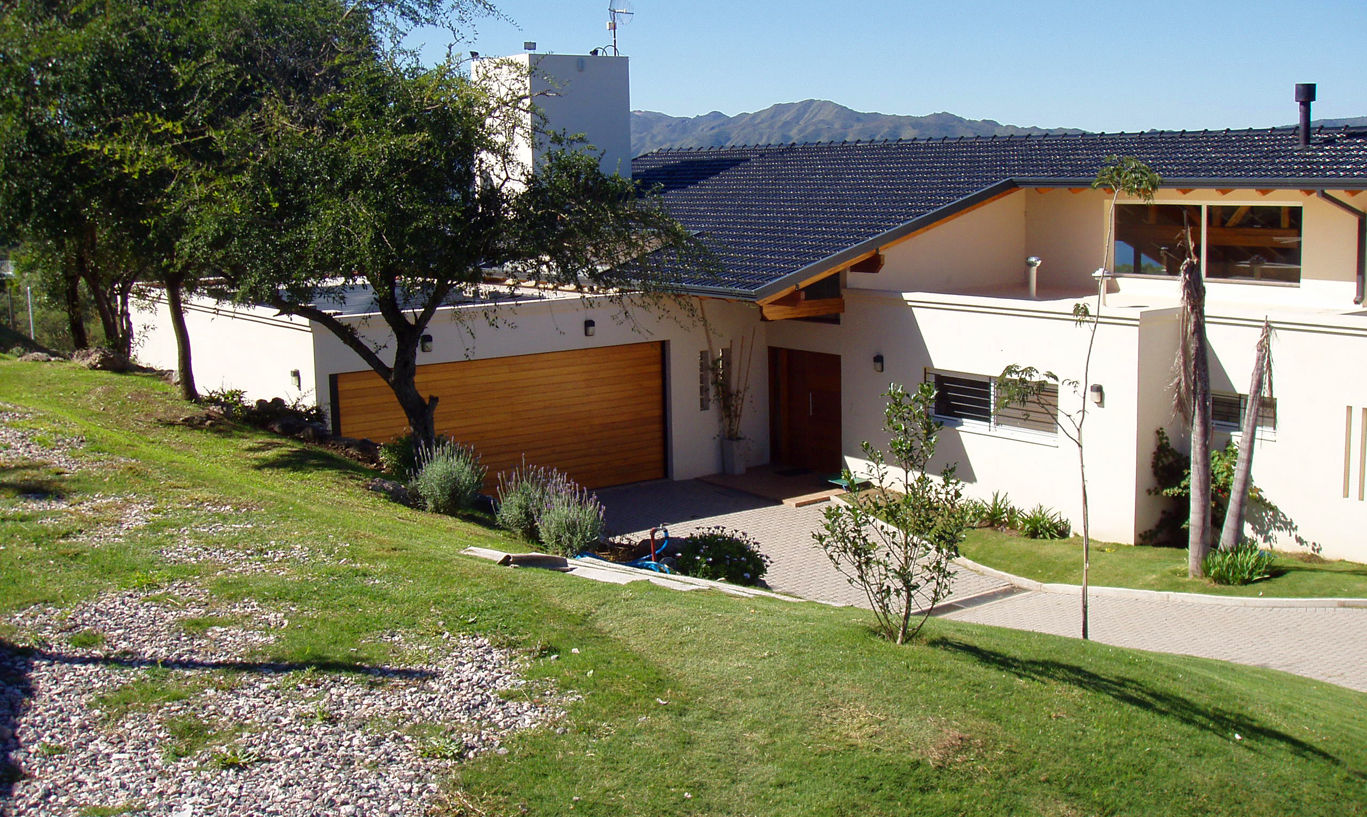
(1305,94)
(1032,275)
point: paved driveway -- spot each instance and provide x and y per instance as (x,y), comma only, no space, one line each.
(1326,643)
(797,566)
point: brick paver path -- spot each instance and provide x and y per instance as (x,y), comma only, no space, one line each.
(1327,643)
(797,566)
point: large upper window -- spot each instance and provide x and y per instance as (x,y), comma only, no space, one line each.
(1249,242)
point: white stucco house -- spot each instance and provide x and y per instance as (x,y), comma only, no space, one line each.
(850,266)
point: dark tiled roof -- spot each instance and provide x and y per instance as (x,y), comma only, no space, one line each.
(776,212)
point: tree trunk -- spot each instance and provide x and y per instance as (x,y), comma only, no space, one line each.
(1086,532)
(75,315)
(1198,534)
(421,413)
(184,368)
(1233,530)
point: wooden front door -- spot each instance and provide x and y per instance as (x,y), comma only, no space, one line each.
(804,409)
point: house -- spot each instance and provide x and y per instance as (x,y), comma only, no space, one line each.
(854,265)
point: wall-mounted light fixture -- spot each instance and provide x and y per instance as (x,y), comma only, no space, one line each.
(878,363)
(426,343)
(296,378)
(589,328)
(1097,394)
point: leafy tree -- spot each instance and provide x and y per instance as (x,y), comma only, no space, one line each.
(358,171)
(1024,385)
(896,541)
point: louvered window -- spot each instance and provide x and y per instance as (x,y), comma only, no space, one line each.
(1227,412)
(972,398)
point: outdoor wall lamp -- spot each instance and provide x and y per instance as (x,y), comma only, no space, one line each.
(296,377)
(1097,394)
(589,328)
(878,363)
(426,343)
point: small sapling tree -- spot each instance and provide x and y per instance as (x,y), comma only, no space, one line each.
(1025,385)
(896,540)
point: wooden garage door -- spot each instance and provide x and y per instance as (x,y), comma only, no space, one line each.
(596,414)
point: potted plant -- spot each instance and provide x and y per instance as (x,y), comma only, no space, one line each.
(731,387)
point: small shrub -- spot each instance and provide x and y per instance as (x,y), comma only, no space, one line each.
(718,553)
(571,521)
(449,478)
(260,413)
(522,495)
(399,457)
(1244,564)
(1042,523)
(999,512)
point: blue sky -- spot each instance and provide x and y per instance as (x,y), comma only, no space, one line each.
(1098,65)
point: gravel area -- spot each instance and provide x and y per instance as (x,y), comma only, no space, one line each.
(149,702)
(21,445)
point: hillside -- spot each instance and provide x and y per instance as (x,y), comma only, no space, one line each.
(322,643)
(812,120)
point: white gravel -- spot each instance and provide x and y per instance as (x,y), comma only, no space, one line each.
(284,740)
(227,734)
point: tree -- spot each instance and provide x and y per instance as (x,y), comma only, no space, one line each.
(1024,385)
(1233,530)
(358,170)
(1191,397)
(896,542)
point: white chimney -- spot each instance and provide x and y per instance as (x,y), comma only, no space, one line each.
(589,95)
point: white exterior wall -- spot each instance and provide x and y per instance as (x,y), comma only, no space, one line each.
(577,94)
(232,347)
(533,327)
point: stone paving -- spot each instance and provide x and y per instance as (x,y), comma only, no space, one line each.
(797,566)
(1326,643)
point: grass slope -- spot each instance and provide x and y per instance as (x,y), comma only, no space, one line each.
(693,703)
(1152,568)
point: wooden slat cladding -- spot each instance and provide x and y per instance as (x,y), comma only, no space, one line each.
(596,414)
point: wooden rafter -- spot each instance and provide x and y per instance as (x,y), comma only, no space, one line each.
(795,306)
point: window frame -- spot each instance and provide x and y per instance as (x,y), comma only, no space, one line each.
(991,427)
(1264,430)
(1203,240)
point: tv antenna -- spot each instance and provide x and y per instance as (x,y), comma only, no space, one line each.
(620,13)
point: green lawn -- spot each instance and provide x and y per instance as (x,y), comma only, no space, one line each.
(1150,568)
(692,703)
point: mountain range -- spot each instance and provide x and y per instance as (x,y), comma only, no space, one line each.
(819,120)
(812,120)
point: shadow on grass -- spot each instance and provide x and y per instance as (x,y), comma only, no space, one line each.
(1141,695)
(16,685)
(290,455)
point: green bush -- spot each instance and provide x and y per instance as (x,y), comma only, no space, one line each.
(718,553)
(1244,564)
(1042,523)
(449,478)
(399,457)
(522,496)
(571,521)
(997,513)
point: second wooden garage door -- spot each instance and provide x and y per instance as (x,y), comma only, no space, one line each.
(596,414)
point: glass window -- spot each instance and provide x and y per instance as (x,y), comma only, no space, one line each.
(1259,243)
(973,397)
(1247,242)
(1148,237)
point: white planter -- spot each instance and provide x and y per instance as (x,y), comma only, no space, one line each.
(733,456)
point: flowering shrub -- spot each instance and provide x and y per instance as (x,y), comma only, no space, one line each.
(522,495)
(449,478)
(571,521)
(718,553)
